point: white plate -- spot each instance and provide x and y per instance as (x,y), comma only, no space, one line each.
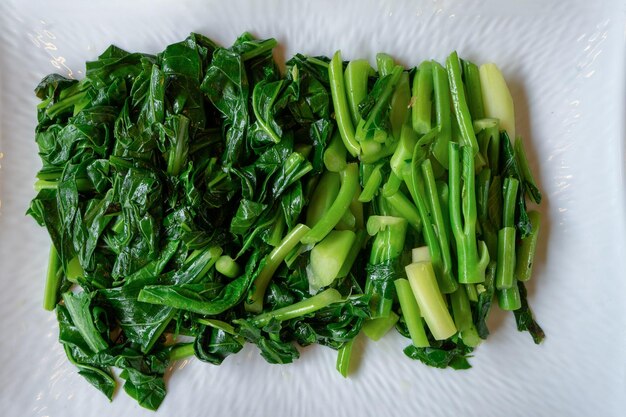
(565,64)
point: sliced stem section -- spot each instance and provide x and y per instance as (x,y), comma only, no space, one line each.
(421,114)
(335,154)
(525,255)
(375,329)
(340,104)
(506,237)
(421,276)
(356,77)
(411,313)
(459,102)
(272,262)
(349,184)
(227,266)
(344,354)
(384,259)
(463,214)
(53,280)
(299,309)
(181,351)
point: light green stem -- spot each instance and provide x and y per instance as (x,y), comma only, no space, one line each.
(273,261)
(340,104)
(301,308)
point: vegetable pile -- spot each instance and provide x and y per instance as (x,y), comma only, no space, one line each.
(199,199)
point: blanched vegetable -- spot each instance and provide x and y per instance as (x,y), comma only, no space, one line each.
(202,193)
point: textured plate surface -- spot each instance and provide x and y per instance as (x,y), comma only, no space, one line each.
(565,65)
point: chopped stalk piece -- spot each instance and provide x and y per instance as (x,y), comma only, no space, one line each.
(53,280)
(426,291)
(497,97)
(421,114)
(403,207)
(506,237)
(356,77)
(411,313)
(442,114)
(509,298)
(370,190)
(359,243)
(525,254)
(471,76)
(384,260)
(421,254)
(273,261)
(323,197)
(400,105)
(340,103)
(328,256)
(181,351)
(459,103)
(227,266)
(335,155)
(344,354)
(349,184)
(299,309)
(375,329)
(471,267)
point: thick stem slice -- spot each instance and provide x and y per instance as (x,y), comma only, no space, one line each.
(459,102)
(349,184)
(421,112)
(273,260)
(411,313)
(299,309)
(497,97)
(426,291)
(53,280)
(356,77)
(328,256)
(375,329)
(525,254)
(340,104)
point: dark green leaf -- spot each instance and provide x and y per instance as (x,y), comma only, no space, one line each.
(524,317)
(447,355)
(214,345)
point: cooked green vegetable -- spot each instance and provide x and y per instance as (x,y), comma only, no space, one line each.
(200,192)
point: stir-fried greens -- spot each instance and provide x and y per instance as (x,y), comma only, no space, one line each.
(199,199)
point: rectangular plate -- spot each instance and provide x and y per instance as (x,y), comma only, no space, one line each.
(565,65)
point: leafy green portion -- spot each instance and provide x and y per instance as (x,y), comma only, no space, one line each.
(214,345)
(447,354)
(79,353)
(524,317)
(191,207)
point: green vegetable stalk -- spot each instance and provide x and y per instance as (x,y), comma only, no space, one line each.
(432,220)
(421,114)
(411,313)
(157,168)
(306,306)
(255,300)
(459,102)
(525,254)
(356,77)
(472,255)
(441,90)
(384,260)
(53,280)
(431,304)
(506,237)
(375,329)
(349,184)
(340,103)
